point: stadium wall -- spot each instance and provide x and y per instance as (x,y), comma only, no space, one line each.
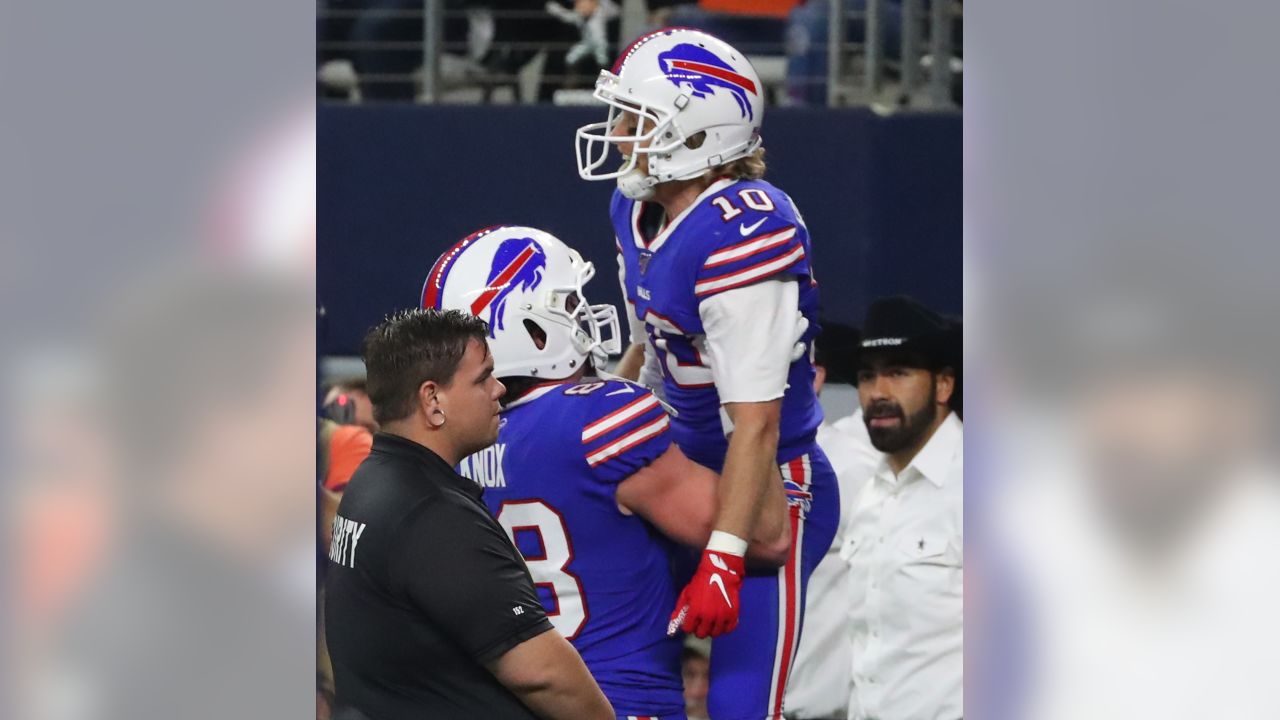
(399,184)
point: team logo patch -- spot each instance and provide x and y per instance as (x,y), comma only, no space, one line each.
(797,496)
(518,265)
(702,71)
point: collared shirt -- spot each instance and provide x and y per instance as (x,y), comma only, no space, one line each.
(905,549)
(819,686)
(423,589)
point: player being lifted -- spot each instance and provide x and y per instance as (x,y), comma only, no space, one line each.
(716,269)
(584,476)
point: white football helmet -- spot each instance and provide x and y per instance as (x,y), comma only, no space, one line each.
(678,82)
(527,285)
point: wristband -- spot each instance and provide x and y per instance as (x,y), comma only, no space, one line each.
(727,543)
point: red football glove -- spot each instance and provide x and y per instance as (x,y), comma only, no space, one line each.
(708,605)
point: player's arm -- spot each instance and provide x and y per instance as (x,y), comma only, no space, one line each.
(750,333)
(678,497)
(549,677)
(640,364)
(632,360)
(756,430)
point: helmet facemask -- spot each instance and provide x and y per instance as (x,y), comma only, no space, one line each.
(659,136)
(592,329)
(595,139)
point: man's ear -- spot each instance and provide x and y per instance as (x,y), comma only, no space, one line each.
(427,396)
(946,385)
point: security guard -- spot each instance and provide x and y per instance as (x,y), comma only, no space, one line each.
(430,609)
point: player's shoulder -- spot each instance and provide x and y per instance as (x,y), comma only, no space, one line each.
(624,425)
(751,198)
(755,234)
(607,404)
(756,189)
(745,210)
(603,393)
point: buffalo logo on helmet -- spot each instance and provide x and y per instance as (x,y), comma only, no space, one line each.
(517,265)
(702,71)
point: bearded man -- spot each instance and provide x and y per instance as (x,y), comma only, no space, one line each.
(905,542)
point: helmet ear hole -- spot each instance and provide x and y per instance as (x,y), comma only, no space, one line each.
(536,332)
(695,141)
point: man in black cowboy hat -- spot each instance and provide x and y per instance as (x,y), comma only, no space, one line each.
(909,354)
(905,540)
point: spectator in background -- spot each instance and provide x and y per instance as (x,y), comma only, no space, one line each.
(340,450)
(819,687)
(807,35)
(344,440)
(347,402)
(660,12)
(695,669)
(383,40)
(755,27)
(592,52)
(379,38)
(905,538)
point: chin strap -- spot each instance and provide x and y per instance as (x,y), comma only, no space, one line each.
(636,185)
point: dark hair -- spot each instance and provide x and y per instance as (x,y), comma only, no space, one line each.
(836,349)
(410,348)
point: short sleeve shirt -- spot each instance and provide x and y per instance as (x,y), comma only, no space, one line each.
(423,589)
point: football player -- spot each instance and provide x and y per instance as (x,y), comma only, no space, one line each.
(584,476)
(716,268)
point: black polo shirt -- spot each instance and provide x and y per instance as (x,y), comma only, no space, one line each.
(423,589)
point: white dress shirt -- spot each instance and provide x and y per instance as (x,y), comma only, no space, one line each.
(905,549)
(819,685)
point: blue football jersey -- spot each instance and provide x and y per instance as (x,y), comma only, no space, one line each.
(604,577)
(736,233)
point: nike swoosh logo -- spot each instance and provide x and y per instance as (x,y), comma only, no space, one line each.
(746,229)
(719,581)
(627,389)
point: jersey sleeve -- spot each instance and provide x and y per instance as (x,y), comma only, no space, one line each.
(762,236)
(625,428)
(751,332)
(488,604)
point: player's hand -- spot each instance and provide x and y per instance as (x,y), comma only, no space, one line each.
(708,605)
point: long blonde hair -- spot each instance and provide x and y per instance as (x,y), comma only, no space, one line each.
(751,167)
